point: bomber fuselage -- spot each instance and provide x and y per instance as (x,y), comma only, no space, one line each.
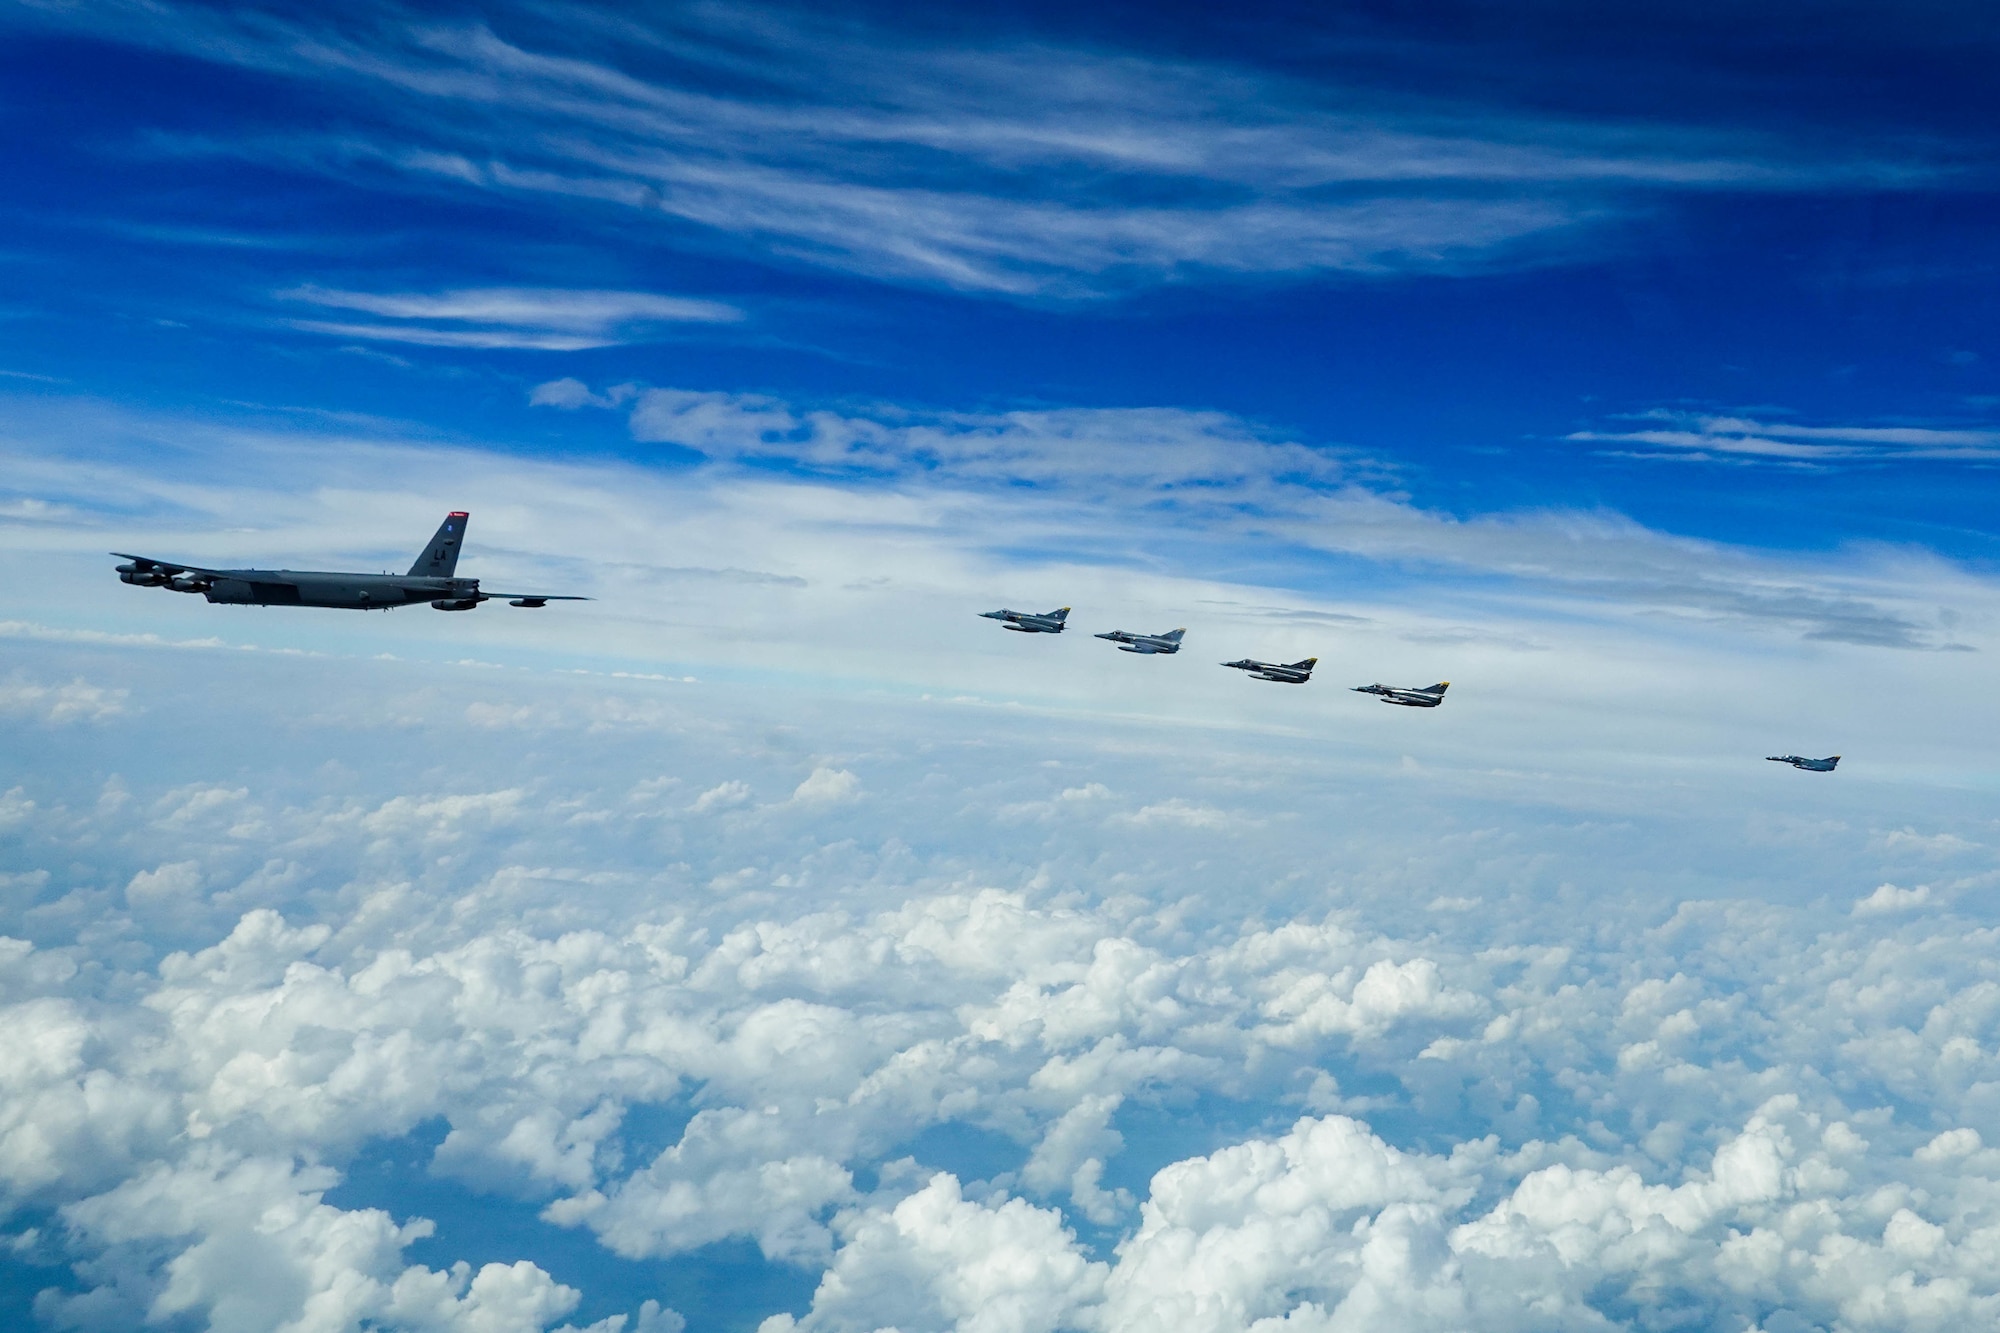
(303,587)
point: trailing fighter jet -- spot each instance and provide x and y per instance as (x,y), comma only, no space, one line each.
(1296,673)
(1128,642)
(1027,622)
(1430,696)
(431,579)
(1809,765)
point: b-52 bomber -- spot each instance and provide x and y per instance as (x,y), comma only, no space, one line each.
(1430,696)
(1128,642)
(431,579)
(1294,673)
(1027,622)
(1809,765)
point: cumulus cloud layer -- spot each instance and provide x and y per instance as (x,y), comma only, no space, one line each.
(1232,1072)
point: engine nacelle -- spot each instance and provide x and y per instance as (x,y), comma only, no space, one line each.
(142,578)
(188,585)
(456,604)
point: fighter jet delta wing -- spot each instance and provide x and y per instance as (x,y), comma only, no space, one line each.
(530,598)
(1149,644)
(1284,673)
(1428,696)
(1027,622)
(433,578)
(1809,765)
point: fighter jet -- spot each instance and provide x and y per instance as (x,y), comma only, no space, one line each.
(431,579)
(1430,696)
(1295,673)
(1809,765)
(1128,642)
(1027,622)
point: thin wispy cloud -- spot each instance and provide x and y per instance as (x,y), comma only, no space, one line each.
(1112,481)
(1031,171)
(543,319)
(1738,439)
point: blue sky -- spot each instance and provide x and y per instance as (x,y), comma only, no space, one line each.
(1415,242)
(769,943)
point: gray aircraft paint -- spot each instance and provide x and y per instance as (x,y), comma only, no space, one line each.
(1027,622)
(433,579)
(1147,644)
(1809,765)
(1427,696)
(1283,673)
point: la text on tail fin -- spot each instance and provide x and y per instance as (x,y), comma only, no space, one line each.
(440,558)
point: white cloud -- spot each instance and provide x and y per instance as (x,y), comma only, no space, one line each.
(1540,1003)
(1013,168)
(939,1260)
(569,394)
(1743,439)
(723,796)
(1950,1145)
(533,985)
(1180,812)
(1929,844)
(76,701)
(268,1254)
(1889,898)
(1134,447)
(827,786)
(1228,480)
(546,319)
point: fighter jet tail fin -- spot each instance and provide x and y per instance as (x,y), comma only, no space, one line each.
(1308,664)
(1060,613)
(1438,688)
(440,558)
(1174,635)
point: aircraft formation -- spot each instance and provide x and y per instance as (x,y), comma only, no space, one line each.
(433,578)
(1282,673)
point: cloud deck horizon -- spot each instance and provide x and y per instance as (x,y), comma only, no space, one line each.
(1486,1110)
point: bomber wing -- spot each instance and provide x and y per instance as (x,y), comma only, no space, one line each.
(143,571)
(147,564)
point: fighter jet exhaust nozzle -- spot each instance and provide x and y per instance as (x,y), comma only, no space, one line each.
(456,604)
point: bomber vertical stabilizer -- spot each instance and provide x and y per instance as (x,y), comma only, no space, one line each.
(440,558)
